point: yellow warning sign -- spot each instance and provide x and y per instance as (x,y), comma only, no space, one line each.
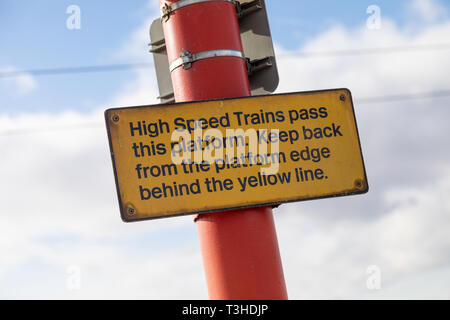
(199,157)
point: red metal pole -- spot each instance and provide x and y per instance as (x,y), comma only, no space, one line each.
(239,248)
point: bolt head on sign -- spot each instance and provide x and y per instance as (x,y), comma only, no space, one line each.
(197,157)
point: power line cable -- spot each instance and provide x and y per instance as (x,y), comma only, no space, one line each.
(20,132)
(75,70)
(305,54)
(367,100)
(380,50)
(403,97)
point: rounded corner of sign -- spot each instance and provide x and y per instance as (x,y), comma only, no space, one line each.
(366,188)
(108,112)
(276,83)
(126,219)
(155,23)
(348,92)
(363,190)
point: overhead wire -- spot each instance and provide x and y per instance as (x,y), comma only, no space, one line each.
(364,100)
(304,54)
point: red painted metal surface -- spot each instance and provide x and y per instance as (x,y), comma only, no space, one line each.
(239,248)
(201,27)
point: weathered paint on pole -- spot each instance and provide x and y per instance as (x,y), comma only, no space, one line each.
(239,248)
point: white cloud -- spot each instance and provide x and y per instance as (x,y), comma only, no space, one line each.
(60,209)
(144,89)
(21,85)
(400,225)
(328,258)
(59,206)
(428,10)
(367,75)
(136,46)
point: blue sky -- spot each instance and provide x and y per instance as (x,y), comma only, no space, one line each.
(34,36)
(71,216)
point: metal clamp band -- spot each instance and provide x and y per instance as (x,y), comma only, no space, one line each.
(167,9)
(186,58)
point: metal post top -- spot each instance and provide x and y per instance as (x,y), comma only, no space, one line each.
(167,9)
(256,44)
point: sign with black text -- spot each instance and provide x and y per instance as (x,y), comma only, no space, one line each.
(206,156)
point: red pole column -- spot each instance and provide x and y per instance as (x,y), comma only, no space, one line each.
(239,248)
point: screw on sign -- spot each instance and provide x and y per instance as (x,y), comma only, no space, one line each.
(179,159)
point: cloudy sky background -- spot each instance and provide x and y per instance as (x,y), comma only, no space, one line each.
(60,231)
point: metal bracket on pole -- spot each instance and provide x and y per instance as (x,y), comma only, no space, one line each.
(187,58)
(158,49)
(244,9)
(256,65)
(256,42)
(158,46)
(168,9)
